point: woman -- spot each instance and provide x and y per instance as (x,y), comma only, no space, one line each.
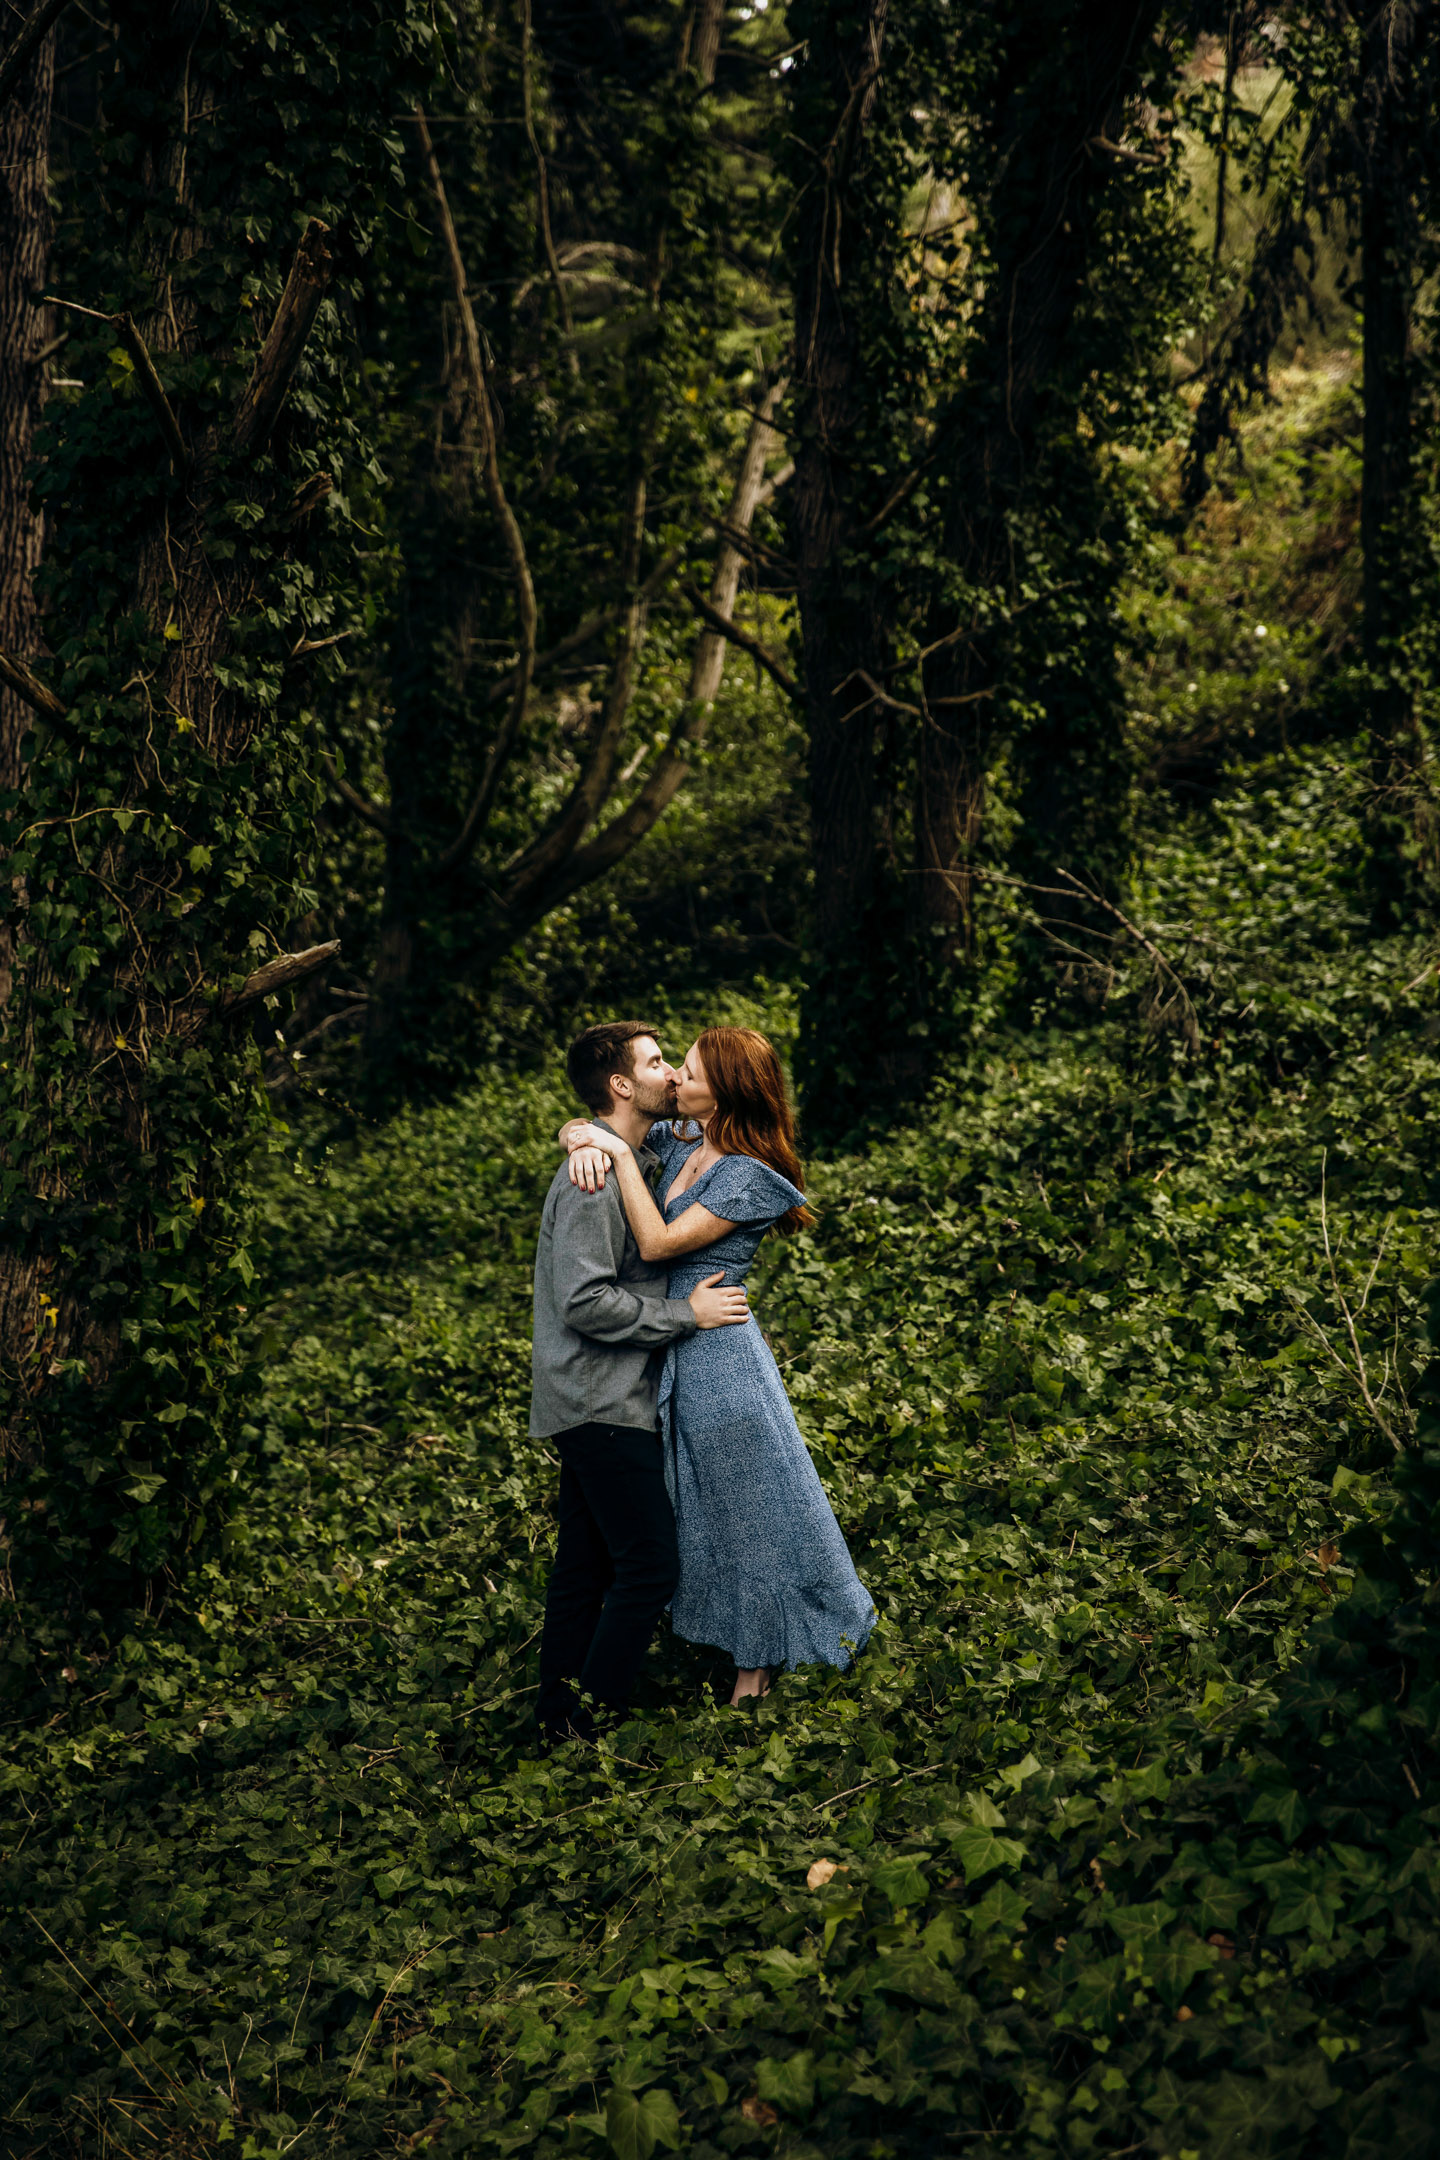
(764,1570)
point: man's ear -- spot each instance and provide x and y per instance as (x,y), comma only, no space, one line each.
(620,1086)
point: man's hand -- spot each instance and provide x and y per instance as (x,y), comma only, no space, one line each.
(588,1166)
(719,1308)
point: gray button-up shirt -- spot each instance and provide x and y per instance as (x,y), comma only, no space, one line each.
(601,1313)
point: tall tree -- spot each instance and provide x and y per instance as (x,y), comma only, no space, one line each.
(226,193)
(850,179)
(560,481)
(987,269)
(26,90)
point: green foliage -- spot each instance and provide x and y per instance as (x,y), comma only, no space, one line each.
(153,858)
(1126,1817)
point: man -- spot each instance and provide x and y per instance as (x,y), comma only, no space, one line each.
(602,1321)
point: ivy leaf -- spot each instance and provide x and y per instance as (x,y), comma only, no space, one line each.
(980,1851)
(910,1972)
(1097,1994)
(902,1881)
(790,2083)
(1001,1907)
(1218,1903)
(636,2123)
(1286,1810)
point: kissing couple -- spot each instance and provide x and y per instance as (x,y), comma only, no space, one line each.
(684,1480)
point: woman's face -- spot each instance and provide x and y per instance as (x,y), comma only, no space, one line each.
(692,1089)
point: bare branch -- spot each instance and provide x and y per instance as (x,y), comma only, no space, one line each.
(473,822)
(22,47)
(731,631)
(278,974)
(154,391)
(302,646)
(534,866)
(306,286)
(36,694)
(706,673)
(1072,889)
(1359,1374)
(149,381)
(307,499)
(1121,150)
(591,627)
(360,804)
(542,177)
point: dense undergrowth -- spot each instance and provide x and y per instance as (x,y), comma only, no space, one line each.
(1120,1838)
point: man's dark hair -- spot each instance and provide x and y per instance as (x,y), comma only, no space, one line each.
(599,1052)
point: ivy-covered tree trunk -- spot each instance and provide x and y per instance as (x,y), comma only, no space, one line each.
(1395,123)
(1067,81)
(230,182)
(24,333)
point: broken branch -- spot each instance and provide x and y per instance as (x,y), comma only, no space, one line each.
(278,974)
(123,325)
(36,694)
(306,286)
(154,391)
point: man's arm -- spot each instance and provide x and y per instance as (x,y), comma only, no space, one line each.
(588,1246)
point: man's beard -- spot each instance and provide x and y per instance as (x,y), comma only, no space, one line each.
(658,1101)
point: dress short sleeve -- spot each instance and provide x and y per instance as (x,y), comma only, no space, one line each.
(740,1189)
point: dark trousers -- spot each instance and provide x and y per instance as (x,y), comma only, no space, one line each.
(616,1567)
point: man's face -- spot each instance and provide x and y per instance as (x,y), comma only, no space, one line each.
(652,1081)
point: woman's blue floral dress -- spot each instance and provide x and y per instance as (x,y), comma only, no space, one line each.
(764,1570)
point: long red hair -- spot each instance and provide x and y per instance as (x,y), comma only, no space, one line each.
(752,1113)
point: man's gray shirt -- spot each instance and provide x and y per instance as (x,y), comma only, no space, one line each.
(601,1313)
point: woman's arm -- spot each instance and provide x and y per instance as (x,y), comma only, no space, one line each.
(656,1238)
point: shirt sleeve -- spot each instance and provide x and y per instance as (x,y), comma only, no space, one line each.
(589,1247)
(741,1190)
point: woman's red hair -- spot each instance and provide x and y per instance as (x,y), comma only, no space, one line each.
(752,1110)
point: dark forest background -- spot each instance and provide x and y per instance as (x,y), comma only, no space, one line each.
(909,523)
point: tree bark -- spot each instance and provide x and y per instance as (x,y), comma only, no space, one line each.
(1387,247)
(842,617)
(104,1141)
(24,332)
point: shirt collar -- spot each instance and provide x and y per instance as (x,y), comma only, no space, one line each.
(645,1156)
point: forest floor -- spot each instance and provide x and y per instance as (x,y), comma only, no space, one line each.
(285,1870)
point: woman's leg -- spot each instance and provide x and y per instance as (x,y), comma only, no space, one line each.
(750,1680)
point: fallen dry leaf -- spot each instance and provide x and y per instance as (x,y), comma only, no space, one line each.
(759,2111)
(819,1873)
(1328,1554)
(1222,1943)
(1183,2015)
(1096,1876)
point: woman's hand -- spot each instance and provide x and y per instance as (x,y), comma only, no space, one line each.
(588,1166)
(579,1134)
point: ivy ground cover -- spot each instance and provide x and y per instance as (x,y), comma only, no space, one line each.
(1122,1836)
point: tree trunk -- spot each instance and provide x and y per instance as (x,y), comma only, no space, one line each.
(1387,246)
(159,828)
(24,331)
(1056,108)
(840,599)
